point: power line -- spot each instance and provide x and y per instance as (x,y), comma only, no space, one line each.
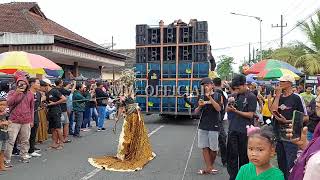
(240,45)
(294,8)
(303,10)
(274,40)
(300,23)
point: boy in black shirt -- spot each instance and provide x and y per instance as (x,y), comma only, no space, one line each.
(208,130)
(54,99)
(285,103)
(65,121)
(222,133)
(243,110)
(35,88)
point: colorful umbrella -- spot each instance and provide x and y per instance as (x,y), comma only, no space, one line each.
(276,73)
(269,64)
(12,61)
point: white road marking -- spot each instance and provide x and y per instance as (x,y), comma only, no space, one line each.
(190,152)
(95,171)
(154,131)
(91,174)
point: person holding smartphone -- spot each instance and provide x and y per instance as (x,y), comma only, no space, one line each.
(307,165)
(284,104)
(209,106)
(21,106)
(242,108)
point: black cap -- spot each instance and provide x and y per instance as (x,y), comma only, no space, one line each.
(217,81)
(206,81)
(42,83)
(238,80)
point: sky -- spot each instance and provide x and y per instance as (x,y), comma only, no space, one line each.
(99,20)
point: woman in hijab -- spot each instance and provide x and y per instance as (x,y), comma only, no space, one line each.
(307,165)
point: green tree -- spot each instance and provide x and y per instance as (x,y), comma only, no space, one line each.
(224,67)
(266,54)
(289,54)
(311,60)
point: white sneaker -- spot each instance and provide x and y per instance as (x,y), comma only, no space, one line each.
(28,156)
(35,154)
(23,160)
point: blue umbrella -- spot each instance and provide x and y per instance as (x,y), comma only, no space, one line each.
(250,78)
(267,82)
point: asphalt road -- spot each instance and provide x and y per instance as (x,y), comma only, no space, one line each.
(171,140)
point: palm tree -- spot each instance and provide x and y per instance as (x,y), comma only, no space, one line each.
(303,55)
(289,54)
(311,60)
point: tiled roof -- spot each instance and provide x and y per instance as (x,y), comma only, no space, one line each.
(26,17)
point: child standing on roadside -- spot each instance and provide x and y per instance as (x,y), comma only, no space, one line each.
(4,136)
(261,149)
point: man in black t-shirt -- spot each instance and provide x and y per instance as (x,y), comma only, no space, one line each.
(208,130)
(54,98)
(285,103)
(242,110)
(65,118)
(35,88)
(222,133)
(102,101)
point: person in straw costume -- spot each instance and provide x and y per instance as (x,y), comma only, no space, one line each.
(134,148)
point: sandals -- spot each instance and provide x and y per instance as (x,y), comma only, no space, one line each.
(203,172)
(58,147)
(53,147)
(67,141)
(214,171)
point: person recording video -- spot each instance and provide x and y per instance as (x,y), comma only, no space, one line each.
(242,107)
(283,107)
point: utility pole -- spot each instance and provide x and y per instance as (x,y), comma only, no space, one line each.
(113,75)
(281,30)
(249,52)
(112,43)
(260,23)
(253,55)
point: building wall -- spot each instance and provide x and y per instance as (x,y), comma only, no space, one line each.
(86,72)
(89,72)
(109,76)
(4,49)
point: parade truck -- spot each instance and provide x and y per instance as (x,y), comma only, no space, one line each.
(171,60)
